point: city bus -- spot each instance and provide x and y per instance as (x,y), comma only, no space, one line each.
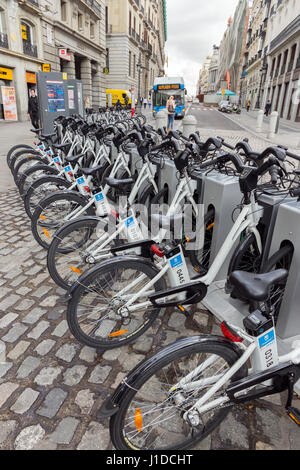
(163,88)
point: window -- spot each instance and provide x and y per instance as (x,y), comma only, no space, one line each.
(134,66)
(63,7)
(92,29)
(80,21)
(2,22)
(107,58)
(28,38)
(106,20)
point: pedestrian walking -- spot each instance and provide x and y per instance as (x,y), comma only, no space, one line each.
(141,100)
(248,105)
(33,109)
(145,103)
(268,108)
(171,113)
(149,103)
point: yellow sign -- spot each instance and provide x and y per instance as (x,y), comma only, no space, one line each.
(46,67)
(65,76)
(30,77)
(223,91)
(24,32)
(106,70)
(6,74)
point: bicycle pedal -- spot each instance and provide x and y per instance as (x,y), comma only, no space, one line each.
(294,414)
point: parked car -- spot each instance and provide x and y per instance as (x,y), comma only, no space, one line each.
(223,106)
(196,100)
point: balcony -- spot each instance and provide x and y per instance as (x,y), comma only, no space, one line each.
(3,40)
(30,49)
(136,3)
(94,5)
(31,5)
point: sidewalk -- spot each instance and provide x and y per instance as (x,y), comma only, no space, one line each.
(288,133)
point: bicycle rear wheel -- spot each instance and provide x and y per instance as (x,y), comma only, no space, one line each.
(152,409)
(96,314)
(42,188)
(51,214)
(69,256)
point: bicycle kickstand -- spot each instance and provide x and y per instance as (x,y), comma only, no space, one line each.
(293,413)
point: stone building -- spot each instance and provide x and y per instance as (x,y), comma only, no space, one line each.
(232,49)
(255,52)
(213,70)
(281,81)
(136,34)
(202,84)
(21,50)
(74,42)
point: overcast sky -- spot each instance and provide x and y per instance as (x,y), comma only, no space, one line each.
(194,26)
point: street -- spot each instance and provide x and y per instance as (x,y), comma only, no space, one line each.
(209,117)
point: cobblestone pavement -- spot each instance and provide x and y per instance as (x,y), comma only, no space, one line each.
(51,386)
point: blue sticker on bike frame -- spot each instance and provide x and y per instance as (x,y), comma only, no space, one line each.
(176,261)
(56,159)
(67,168)
(99,197)
(80,180)
(266,339)
(129,222)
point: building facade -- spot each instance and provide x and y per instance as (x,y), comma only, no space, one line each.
(202,84)
(21,50)
(232,49)
(74,42)
(213,70)
(255,53)
(135,41)
(281,81)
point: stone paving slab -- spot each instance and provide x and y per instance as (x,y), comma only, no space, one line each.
(51,386)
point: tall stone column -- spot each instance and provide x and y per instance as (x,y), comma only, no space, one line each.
(86,77)
(96,85)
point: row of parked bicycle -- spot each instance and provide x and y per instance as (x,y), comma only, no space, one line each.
(96,200)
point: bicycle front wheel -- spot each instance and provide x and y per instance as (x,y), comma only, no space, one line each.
(97,314)
(152,410)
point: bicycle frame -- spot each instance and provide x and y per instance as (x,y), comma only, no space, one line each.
(178,275)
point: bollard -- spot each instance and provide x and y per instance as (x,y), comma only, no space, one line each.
(189,124)
(259,122)
(272,125)
(161,119)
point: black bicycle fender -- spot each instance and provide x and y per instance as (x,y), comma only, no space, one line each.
(111,404)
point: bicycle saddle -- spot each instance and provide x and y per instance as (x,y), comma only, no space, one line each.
(254,286)
(118,183)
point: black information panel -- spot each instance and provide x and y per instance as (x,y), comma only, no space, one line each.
(53,98)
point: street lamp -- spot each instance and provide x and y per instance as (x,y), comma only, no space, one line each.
(139,67)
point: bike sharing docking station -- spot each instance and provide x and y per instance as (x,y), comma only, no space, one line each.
(222,193)
(281,222)
(58,96)
(53,98)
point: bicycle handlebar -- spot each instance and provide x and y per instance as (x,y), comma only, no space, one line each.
(224,158)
